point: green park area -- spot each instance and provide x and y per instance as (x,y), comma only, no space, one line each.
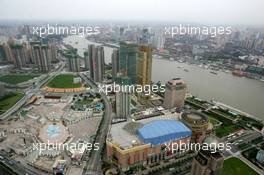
(225,129)
(17,78)
(8,100)
(234,166)
(63,81)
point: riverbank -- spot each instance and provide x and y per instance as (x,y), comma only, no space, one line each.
(225,119)
(241,93)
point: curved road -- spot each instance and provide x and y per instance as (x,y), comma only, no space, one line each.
(93,165)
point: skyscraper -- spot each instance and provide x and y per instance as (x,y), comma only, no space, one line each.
(144,66)
(128,54)
(73,64)
(96,62)
(175,93)
(115,64)
(86,60)
(208,162)
(31,53)
(53,52)
(41,54)
(122,104)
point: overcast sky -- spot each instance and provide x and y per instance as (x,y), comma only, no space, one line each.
(199,11)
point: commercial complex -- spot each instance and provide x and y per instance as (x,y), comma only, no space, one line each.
(175,93)
(142,143)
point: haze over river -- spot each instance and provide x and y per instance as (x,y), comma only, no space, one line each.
(242,93)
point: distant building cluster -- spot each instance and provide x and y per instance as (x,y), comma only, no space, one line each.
(32,54)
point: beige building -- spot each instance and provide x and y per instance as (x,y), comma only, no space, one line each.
(144,68)
(175,93)
(198,123)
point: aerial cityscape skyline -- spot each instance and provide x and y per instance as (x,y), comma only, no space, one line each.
(138,87)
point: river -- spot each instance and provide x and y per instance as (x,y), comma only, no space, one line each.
(242,93)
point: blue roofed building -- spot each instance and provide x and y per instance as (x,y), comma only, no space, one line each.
(147,141)
(162,131)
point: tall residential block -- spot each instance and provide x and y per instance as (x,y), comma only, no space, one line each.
(96,62)
(115,64)
(122,104)
(19,55)
(42,57)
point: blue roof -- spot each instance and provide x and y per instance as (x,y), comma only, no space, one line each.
(162,131)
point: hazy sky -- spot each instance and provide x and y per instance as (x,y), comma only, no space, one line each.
(200,11)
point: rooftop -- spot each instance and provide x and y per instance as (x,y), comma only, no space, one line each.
(162,131)
(125,133)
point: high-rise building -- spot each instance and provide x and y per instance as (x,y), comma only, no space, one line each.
(41,54)
(122,34)
(86,60)
(73,64)
(19,55)
(158,40)
(208,162)
(144,38)
(128,54)
(144,66)
(53,52)
(96,62)
(122,104)
(115,64)
(175,93)
(31,53)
